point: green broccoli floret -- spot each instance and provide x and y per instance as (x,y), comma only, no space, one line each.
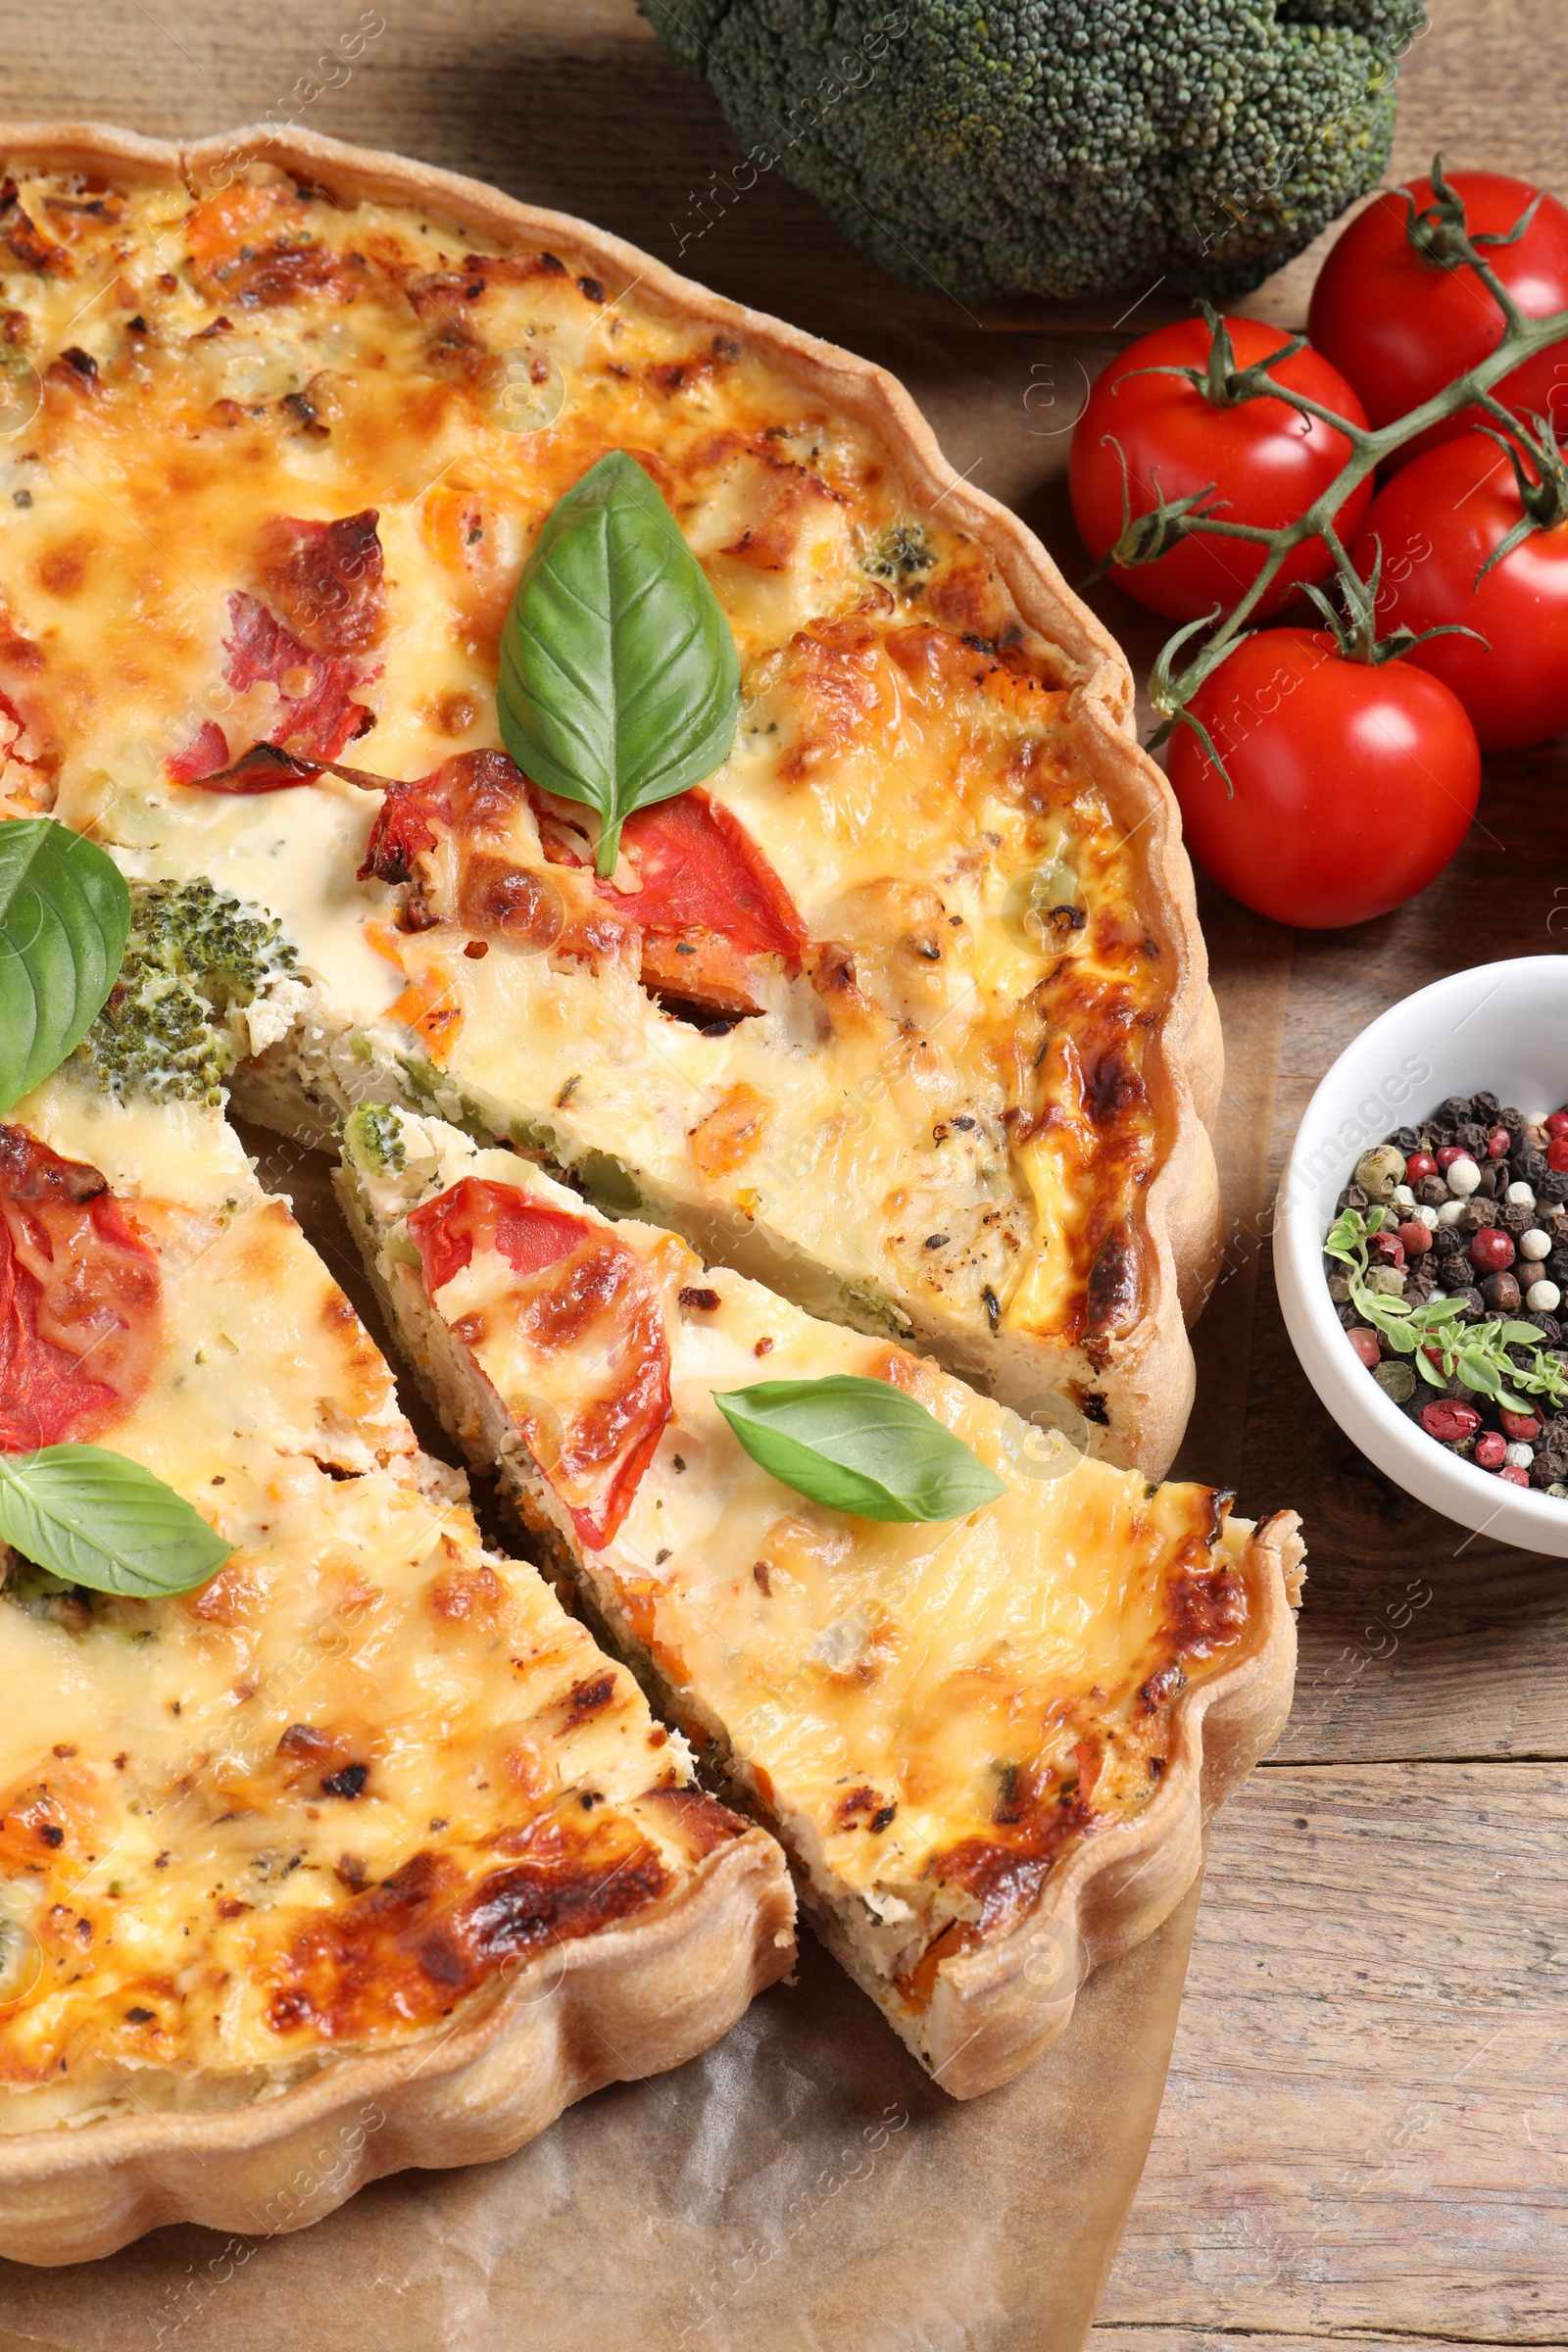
(1061,147)
(373,1134)
(195,956)
(901,556)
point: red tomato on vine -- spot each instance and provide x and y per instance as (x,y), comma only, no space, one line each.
(1400,321)
(1266,462)
(1351,783)
(1439,522)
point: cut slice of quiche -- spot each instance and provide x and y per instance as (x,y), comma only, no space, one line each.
(901,1010)
(362,1845)
(988,1746)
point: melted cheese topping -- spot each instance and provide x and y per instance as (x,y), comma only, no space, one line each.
(928,1712)
(963,1055)
(319,1801)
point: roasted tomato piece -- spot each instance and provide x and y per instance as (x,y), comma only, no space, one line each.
(205,755)
(708,902)
(325,579)
(78,1300)
(573,1340)
(317,715)
(403,829)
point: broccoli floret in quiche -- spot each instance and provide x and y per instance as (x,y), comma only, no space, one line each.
(1061,147)
(902,557)
(196,959)
(373,1136)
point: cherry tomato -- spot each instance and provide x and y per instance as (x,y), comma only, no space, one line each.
(1400,325)
(1436,523)
(1266,462)
(1353,784)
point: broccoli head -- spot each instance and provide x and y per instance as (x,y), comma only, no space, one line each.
(373,1136)
(1061,147)
(195,959)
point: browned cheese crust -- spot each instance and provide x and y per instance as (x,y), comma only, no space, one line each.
(878,600)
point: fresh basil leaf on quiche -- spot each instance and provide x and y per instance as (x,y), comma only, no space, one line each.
(860,1446)
(65,915)
(619,679)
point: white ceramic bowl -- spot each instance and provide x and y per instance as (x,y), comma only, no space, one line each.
(1502,1027)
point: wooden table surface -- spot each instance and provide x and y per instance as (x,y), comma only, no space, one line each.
(1365,2134)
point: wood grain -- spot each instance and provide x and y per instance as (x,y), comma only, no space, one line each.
(1156,2338)
(1366,2119)
(1404,1955)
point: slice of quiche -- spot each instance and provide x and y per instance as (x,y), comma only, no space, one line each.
(902,1010)
(363,1844)
(988,1746)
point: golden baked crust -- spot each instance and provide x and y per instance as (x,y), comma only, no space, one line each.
(634,2001)
(1089,1229)
(364,1839)
(988,1746)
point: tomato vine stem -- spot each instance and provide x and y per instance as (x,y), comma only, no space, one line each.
(1147,536)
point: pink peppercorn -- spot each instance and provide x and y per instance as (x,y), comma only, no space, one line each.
(1490,1449)
(1414,1239)
(1419,1164)
(1448,1153)
(1497,1143)
(1449,1421)
(1523,1428)
(1557,1124)
(1557,1153)
(1490,1249)
(1515,1478)
(1387,1249)
(1365,1344)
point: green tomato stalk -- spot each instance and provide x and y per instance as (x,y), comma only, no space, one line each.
(1439,228)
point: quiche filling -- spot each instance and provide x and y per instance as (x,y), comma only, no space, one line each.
(876,1014)
(932,1717)
(341,1793)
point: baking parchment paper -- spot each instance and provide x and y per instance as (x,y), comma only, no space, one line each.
(801,2188)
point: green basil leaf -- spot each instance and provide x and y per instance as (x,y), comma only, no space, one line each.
(1429,1371)
(861,1447)
(1402,1339)
(65,916)
(1478,1375)
(98,1519)
(1518,1334)
(619,681)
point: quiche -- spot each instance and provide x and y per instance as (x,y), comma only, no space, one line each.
(901,1010)
(363,1845)
(988,1744)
